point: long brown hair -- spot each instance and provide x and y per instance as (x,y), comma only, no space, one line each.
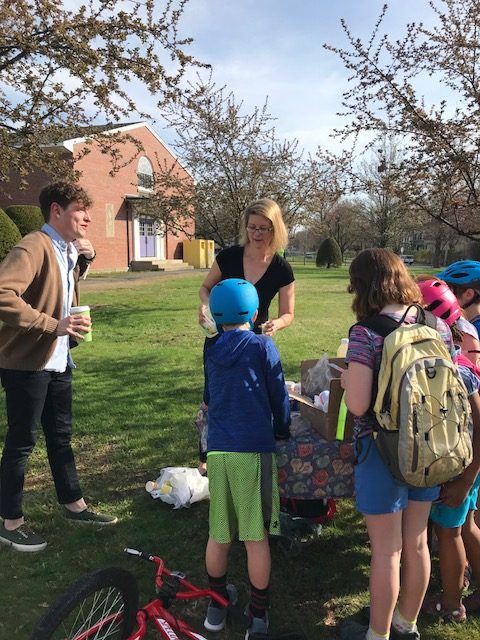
(378,277)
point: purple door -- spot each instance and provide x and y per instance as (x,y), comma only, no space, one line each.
(147,238)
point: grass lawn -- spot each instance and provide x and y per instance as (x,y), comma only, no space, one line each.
(136,391)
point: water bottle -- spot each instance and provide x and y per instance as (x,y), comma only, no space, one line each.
(151,486)
(209,325)
(321,401)
(342,348)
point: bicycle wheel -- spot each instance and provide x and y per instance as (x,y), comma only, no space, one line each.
(101,605)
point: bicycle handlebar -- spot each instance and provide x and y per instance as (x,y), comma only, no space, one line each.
(192,592)
(140,554)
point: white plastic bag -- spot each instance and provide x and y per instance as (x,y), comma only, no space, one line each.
(318,377)
(179,486)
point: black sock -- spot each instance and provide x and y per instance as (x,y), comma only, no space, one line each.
(258,601)
(219,585)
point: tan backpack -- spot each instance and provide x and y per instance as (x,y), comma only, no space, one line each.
(421,404)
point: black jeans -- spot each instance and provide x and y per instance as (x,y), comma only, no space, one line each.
(34,397)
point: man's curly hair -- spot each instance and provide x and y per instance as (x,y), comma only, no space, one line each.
(63,193)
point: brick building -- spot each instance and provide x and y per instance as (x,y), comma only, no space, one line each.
(122,239)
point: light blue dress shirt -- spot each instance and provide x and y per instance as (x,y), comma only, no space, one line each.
(67,256)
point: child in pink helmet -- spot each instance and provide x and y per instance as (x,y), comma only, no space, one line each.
(453,515)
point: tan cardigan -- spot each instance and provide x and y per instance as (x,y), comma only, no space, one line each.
(31,303)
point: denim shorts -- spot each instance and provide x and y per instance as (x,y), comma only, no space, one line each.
(376,490)
(453,517)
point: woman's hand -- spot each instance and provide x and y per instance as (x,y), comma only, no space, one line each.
(270,327)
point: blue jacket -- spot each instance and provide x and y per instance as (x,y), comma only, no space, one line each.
(248,406)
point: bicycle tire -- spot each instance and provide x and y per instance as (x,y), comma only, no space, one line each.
(87,602)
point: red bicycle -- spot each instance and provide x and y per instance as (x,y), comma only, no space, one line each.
(104,605)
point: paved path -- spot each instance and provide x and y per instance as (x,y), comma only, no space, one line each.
(128,279)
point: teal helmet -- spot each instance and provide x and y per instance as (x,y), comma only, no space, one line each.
(462,272)
(233,301)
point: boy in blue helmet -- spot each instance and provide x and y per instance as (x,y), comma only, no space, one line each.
(248,409)
(463,278)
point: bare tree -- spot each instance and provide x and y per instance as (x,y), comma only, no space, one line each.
(235,158)
(441,141)
(62,69)
(347,224)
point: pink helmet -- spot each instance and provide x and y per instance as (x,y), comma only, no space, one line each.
(440,300)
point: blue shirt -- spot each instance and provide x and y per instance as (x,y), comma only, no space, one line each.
(67,256)
(248,406)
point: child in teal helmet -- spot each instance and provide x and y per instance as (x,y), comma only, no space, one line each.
(463,278)
(248,410)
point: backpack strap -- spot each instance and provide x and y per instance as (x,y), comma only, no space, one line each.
(384,325)
(380,323)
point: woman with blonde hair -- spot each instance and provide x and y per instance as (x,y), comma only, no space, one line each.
(256,259)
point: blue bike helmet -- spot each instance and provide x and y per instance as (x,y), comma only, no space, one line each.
(463,272)
(233,301)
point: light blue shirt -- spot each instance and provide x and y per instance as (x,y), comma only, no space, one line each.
(67,256)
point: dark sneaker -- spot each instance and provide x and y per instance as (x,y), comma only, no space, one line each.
(404,635)
(89,517)
(352,630)
(217,616)
(472,602)
(22,539)
(364,615)
(257,626)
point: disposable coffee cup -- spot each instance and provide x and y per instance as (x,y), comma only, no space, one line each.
(82,311)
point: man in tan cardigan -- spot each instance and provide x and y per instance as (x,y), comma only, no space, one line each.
(38,286)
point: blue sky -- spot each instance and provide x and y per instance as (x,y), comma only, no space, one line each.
(273,48)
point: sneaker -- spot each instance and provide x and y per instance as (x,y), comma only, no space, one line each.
(89,517)
(352,630)
(217,616)
(432,605)
(472,602)
(257,626)
(364,616)
(405,635)
(22,539)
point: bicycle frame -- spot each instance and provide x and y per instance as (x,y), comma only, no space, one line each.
(156,611)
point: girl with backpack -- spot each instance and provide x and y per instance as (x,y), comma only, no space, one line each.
(396,515)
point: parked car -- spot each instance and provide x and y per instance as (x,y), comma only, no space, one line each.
(407,259)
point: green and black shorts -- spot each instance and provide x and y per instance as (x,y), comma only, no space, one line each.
(243,495)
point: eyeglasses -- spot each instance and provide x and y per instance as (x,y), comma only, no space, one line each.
(252,228)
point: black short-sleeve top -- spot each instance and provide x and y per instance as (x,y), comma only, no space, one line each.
(278,274)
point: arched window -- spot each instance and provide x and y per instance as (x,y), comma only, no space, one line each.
(145,173)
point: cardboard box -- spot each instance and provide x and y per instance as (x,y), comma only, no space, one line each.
(324,423)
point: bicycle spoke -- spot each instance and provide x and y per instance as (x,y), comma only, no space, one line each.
(92,611)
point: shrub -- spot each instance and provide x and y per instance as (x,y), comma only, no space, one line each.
(9,234)
(329,253)
(27,217)
(423,256)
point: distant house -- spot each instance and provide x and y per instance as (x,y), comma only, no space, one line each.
(122,237)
